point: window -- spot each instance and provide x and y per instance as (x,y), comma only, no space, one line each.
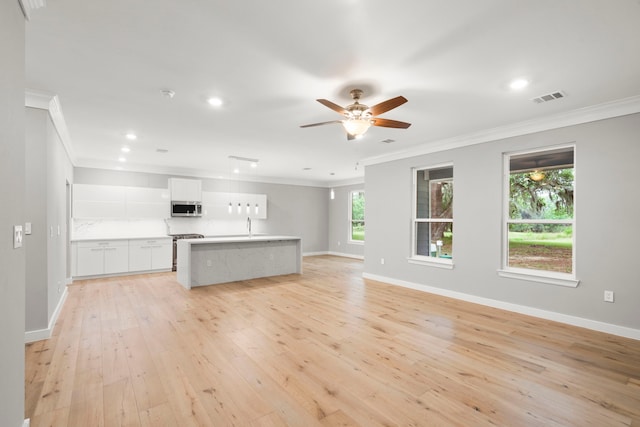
(433,215)
(539,214)
(356,216)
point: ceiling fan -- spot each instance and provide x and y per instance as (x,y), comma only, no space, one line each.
(359,117)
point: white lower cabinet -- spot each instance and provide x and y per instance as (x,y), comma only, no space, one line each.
(102,257)
(150,254)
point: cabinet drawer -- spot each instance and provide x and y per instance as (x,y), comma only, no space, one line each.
(102,243)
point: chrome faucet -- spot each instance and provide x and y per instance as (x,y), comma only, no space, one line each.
(249,225)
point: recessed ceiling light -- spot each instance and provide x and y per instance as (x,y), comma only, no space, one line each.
(122,159)
(125,149)
(254,165)
(518,84)
(236,170)
(306,169)
(215,101)
(131,136)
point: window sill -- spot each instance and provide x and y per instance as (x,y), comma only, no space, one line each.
(356,242)
(549,279)
(432,262)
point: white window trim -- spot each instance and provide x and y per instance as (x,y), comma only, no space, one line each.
(549,278)
(421,259)
(350,218)
(431,261)
(540,276)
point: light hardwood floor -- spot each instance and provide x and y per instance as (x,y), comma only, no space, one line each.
(326,348)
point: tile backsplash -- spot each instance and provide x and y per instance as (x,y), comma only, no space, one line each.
(128,228)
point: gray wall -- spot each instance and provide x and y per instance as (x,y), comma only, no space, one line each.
(48,169)
(291,209)
(12,176)
(607,230)
(36,213)
(339,229)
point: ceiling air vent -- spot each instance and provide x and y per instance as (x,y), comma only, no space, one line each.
(549,97)
(29,6)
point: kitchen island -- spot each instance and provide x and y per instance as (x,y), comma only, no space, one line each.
(213,260)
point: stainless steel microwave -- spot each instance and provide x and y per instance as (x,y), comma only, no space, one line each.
(186,209)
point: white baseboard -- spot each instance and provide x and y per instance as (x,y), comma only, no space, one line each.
(315,253)
(595,325)
(43,334)
(334,254)
(342,254)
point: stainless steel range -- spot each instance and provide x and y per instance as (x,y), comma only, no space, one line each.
(177,237)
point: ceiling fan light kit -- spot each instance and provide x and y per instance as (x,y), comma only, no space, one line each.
(356,127)
(359,117)
(537,175)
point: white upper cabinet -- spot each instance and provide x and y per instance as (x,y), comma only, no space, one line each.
(147,203)
(118,202)
(99,201)
(185,190)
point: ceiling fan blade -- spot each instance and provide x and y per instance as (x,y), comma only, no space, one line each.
(389,123)
(387,105)
(334,107)
(320,124)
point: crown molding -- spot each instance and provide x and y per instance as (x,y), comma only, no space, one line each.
(51,103)
(593,113)
(199,173)
(345,182)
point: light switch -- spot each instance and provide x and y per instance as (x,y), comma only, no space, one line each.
(27,228)
(17,236)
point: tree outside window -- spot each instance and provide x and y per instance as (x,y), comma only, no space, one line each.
(356,216)
(433,215)
(540,217)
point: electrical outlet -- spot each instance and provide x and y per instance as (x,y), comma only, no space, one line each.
(608,296)
(382,261)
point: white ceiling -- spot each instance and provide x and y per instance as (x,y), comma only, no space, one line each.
(108,61)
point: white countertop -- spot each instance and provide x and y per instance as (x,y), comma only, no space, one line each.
(238,239)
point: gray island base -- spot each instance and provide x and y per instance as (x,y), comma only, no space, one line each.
(214,260)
